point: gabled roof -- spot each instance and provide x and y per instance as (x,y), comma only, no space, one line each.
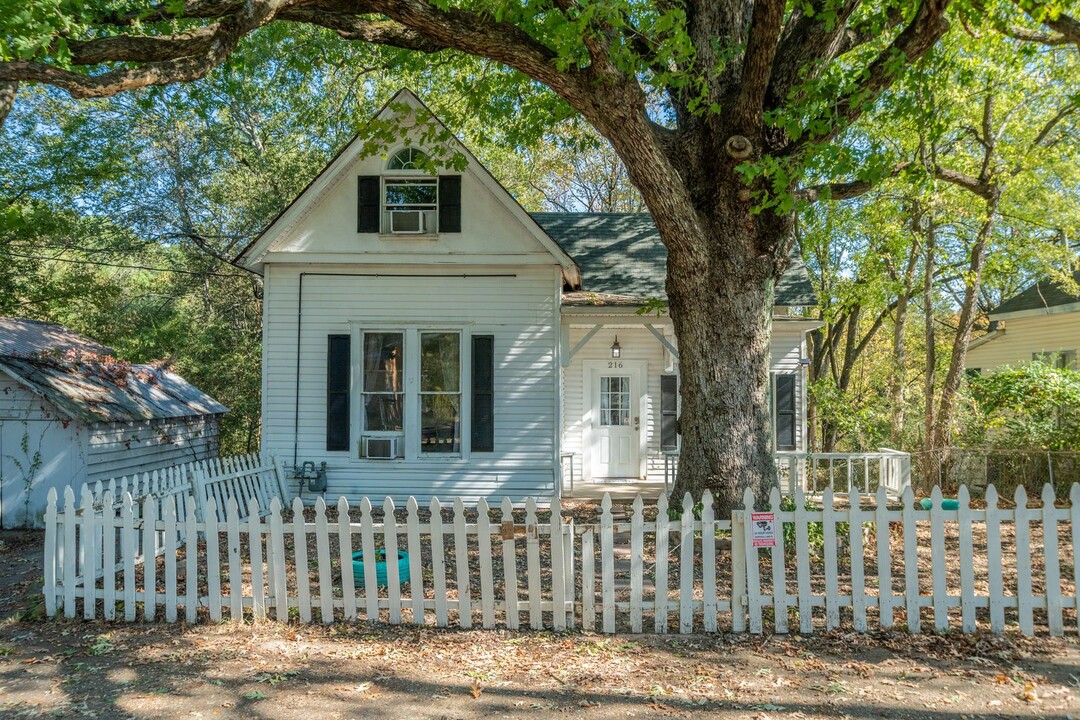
(1042,296)
(623,260)
(249,257)
(78,377)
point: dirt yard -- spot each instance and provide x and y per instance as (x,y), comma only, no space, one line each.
(97,670)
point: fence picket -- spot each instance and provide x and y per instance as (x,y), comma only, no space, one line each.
(108,556)
(487,578)
(1051,565)
(779,570)
(588,582)
(150,546)
(884,559)
(832,576)
(236,578)
(607,564)
(911,562)
(416,571)
(51,545)
(255,552)
(967,561)
(995,580)
(89,554)
(937,572)
(509,568)
(708,562)
(739,603)
(191,566)
(438,563)
(322,553)
(393,574)
(753,574)
(1024,599)
(300,560)
(213,563)
(345,557)
(130,545)
(370,556)
(558,580)
(660,570)
(802,563)
(461,563)
(686,567)
(275,551)
(532,552)
(637,562)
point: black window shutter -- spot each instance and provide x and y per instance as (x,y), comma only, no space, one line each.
(450,203)
(483,393)
(785,412)
(669,412)
(337,392)
(367,206)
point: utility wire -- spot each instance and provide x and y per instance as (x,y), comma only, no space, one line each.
(101,263)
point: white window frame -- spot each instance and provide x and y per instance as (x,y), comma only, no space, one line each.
(389,177)
(411,406)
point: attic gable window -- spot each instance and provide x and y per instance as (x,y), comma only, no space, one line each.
(406,200)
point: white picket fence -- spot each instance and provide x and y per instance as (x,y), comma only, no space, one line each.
(996,567)
(190,484)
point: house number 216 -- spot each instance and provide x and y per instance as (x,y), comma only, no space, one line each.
(614,364)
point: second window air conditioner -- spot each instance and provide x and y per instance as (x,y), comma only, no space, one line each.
(380,448)
(407,222)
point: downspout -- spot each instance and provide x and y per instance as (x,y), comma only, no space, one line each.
(296,406)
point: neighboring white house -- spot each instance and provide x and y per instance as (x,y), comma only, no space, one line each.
(424,335)
(1043,321)
(68,417)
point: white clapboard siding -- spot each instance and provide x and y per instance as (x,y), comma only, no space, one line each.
(92,550)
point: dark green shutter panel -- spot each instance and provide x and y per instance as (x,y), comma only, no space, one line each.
(483,393)
(367,206)
(669,412)
(785,412)
(337,392)
(450,203)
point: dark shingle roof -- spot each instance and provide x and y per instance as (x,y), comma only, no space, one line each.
(1043,294)
(621,254)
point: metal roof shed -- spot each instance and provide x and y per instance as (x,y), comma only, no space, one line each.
(71,413)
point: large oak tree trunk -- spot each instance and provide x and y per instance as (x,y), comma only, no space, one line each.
(723,320)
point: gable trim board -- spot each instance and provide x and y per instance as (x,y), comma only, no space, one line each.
(253,256)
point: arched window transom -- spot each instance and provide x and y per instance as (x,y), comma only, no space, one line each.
(407,159)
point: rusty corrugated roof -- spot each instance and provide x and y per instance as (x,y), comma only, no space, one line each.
(21,338)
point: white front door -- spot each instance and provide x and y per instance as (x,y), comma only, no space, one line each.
(616,424)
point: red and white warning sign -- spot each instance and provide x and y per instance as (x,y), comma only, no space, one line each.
(763,529)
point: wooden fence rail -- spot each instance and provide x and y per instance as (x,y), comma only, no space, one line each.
(868,561)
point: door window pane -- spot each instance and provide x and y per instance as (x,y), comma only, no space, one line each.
(614,400)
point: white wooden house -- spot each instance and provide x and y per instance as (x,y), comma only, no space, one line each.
(424,335)
(69,414)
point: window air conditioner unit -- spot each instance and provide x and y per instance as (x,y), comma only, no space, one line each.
(407,222)
(378,448)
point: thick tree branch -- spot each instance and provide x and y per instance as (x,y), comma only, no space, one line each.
(807,38)
(351,27)
(846,190)
(765,25)
(921,34)
(965,181)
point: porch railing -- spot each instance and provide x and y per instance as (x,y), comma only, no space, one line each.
(842,472)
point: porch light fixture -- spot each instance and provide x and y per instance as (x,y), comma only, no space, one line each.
(616,348)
